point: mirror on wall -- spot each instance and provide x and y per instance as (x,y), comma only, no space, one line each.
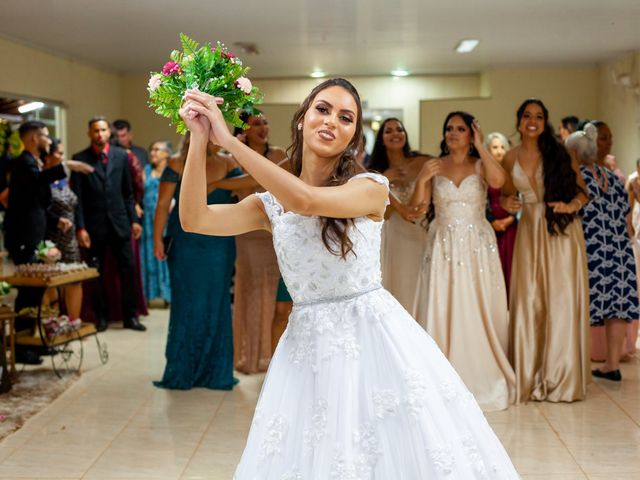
(15,110)
(372,118)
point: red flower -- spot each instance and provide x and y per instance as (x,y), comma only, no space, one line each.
(171,68)
(223,53)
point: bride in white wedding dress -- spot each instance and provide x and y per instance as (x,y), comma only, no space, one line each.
(356,388)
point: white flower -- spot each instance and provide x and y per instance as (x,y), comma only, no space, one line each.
(244,84)
(154,82)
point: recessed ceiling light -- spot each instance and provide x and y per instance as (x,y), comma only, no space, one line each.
(30,107)
(249,48)
(317,74)
(399,72)
(466,46)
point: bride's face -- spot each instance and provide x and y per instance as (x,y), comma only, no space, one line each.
(330,122)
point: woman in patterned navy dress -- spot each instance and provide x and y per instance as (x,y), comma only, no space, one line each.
(613,298)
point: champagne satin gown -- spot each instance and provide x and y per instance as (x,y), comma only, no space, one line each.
(549,302)
(461,298)
(402,248)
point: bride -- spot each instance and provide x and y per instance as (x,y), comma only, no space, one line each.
(356,388)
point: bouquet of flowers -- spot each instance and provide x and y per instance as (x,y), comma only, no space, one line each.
(212,70)
(48,252)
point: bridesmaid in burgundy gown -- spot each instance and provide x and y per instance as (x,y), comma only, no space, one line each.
(503,223)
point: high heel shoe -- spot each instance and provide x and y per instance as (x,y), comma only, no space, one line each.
(613,375)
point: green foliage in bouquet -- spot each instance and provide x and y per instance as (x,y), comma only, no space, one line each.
(209,69)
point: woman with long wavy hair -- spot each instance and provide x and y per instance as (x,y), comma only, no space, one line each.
(353,376)
(403,236)
(461,299)
(549,294)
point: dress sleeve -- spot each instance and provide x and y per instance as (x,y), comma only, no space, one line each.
(376,177)
(170,175)
(271,205)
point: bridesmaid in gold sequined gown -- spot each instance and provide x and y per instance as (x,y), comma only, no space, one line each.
(549,294)
(403,235)
(461,297)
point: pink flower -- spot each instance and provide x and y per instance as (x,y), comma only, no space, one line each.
(171,68)
(230,56)
(53,253)
(154,82)
(244,84)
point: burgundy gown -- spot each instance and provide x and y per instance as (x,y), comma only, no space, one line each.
(506,239)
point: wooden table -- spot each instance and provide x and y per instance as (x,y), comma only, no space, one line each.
(61,341)
(8,336)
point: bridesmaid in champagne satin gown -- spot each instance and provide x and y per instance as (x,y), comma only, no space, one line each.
(461,298)
(549,294)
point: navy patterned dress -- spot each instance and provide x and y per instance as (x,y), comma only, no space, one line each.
(611,265)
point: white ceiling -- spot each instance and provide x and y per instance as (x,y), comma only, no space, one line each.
(342,37)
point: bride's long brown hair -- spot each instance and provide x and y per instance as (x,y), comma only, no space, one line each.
(335,235)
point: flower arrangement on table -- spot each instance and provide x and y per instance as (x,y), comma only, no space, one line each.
(57,325)
(213,70)
(48,252)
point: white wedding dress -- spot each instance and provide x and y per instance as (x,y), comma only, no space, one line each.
(356,389)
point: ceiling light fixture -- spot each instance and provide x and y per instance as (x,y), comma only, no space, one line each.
(30,107)
(399,72)
(466,46)
(249,48)
(317,74)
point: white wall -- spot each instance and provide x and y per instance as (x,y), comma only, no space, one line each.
(569,91)
(619,107)
(83,90)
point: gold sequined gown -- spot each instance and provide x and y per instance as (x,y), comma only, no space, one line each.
(461,298)
(402,248)
(549,303)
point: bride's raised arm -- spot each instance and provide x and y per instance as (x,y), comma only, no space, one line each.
(359,198)
(198,217)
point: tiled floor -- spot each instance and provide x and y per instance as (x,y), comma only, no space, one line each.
(113,424)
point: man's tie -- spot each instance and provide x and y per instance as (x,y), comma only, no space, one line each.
(103,158)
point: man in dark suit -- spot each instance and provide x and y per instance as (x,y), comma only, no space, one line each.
(107,217)
(124,136)
(27,215)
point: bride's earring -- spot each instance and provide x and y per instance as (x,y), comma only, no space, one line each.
(300,126)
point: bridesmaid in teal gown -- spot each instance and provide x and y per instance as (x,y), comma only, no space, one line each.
(155,273)
(199,350)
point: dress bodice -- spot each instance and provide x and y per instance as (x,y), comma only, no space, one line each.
(462,204)
(402,190)
(311,272)
(530,193)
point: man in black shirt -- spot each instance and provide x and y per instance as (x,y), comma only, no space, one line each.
(27,214)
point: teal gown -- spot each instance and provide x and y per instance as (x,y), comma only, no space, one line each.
(199,349)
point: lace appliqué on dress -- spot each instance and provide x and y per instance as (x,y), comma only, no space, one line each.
(314,434)
(276,432)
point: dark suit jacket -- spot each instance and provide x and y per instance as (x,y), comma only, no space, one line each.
(105,197)
(27,217)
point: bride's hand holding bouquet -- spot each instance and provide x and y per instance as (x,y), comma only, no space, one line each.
(204,108)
